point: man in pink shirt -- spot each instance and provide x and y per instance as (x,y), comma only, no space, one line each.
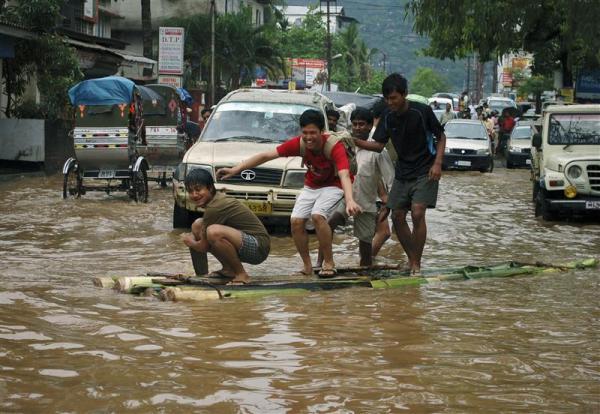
(327,180)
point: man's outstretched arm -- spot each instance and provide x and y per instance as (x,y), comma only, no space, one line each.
(251,162)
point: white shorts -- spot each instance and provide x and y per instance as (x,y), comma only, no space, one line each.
(319,201)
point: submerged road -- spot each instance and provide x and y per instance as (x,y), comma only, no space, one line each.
(524,344)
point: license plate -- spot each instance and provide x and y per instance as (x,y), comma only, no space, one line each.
(528,161)
(592,205)
(258,207)
(461,163)
(106,174)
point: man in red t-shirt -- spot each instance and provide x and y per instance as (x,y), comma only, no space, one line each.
(323,187)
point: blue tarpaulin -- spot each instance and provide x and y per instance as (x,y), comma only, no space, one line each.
(110,90)
(185,96)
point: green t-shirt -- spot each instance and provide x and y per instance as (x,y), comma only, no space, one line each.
(231,212)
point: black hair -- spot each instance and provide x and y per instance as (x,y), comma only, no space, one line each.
(199,177)
(362,114)
(378,108)
(394,83)
(334,113)
(205,110)
(312,116)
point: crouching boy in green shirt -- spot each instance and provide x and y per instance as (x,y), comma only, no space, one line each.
(228,230)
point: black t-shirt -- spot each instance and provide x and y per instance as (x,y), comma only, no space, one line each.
(409,138)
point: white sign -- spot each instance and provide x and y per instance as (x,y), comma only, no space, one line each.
(88,9)
(174,81)
(170,50)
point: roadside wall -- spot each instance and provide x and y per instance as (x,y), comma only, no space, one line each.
(36,141)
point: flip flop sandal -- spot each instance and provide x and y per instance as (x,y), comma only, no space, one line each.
(238,283)
(327,273)
(219,274)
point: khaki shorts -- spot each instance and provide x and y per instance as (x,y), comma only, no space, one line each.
(365,223)
(420,190)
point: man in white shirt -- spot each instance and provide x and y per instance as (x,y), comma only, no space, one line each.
(375,174)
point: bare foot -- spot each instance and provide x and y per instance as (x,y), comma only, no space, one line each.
(240,279)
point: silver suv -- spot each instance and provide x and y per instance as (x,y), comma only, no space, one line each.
(246,122)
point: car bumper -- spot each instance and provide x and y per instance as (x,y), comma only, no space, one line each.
(518,159)
(272,207)
(586,205)
(466,162)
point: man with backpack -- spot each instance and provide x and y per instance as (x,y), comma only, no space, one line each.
(327,180)
(411,127)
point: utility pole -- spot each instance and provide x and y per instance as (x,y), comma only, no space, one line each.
(212,51)
(328,49)
(384,64)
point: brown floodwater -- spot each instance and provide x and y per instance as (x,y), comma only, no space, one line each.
(522,344)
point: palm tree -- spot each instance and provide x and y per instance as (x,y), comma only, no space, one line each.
(242,46)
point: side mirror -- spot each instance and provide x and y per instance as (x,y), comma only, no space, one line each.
(536,141)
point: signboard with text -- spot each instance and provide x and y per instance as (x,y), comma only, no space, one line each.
(174,81)
(170,50)
(306,70)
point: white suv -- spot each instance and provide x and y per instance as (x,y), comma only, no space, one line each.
(566,162)
(244,123)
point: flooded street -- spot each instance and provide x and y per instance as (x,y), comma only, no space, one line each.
(523,344)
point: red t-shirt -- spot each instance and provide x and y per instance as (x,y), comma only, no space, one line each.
(320,170)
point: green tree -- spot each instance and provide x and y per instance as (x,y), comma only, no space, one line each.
(306,40)
(536,85)
(354,67)
(426,82)
(563,31)
(48,57)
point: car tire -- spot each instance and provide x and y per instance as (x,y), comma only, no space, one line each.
(535,191)
(541,207)
(181,217)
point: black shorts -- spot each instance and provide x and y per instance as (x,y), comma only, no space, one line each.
(420,190)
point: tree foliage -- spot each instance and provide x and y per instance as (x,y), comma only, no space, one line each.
(564,31)
(426,82)
(48,57)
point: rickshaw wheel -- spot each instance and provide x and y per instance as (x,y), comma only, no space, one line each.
(140,186)
(72,183)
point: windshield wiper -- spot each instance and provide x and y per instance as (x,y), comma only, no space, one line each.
(262,139)
(236,138)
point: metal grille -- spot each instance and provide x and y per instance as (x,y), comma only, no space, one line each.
(460,151)
(593,171)
(264,176)
(526,150)
(247,196)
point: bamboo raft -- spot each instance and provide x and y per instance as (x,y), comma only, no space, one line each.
(179,287)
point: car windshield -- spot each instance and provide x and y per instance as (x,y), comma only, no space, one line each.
(522,133)
(574,129)
(465,130)
(275,122)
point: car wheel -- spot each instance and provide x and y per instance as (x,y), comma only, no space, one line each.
(535,191)
(541,207)
(181,217)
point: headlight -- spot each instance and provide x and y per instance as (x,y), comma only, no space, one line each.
(574,172)
(484,151)
(514,149)
(294,179)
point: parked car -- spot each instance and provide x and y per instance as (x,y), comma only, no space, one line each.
(566,162)
(246,122)
(497,103)
(518,151)
(468,146)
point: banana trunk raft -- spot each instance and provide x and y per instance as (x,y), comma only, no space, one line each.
(178,287)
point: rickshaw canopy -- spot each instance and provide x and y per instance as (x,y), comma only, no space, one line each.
(111,90)
(148,94)
(185,96)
